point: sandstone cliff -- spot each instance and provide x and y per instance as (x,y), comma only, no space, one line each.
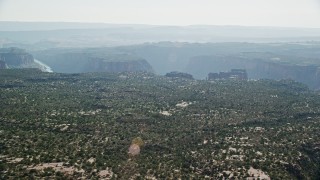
(87,60)
(102,65)
(3,65)
(19,58)
(15,57)
(264,66)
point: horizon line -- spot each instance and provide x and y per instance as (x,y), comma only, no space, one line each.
(162,25)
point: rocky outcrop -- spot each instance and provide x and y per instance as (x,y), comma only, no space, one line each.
(176,74)
(15,57)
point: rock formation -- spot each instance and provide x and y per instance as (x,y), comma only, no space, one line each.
(19,58)
(112,65)
(3,65)
(86,60)
(15,57)
(176,74)
(257,68)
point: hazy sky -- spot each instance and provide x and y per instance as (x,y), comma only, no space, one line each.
(293,13)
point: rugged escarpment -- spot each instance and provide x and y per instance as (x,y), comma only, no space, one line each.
(3,65)
(264,66)
(307,74)
(11,58)
(113,65)
(15,57)
(116,63)
(91,60)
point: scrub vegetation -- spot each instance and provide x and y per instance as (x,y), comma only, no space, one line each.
(82,126)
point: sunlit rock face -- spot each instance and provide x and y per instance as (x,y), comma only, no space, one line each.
(134,150)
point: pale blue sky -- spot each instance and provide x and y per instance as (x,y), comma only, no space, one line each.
(287,13)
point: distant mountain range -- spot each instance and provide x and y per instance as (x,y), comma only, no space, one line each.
(64,34)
